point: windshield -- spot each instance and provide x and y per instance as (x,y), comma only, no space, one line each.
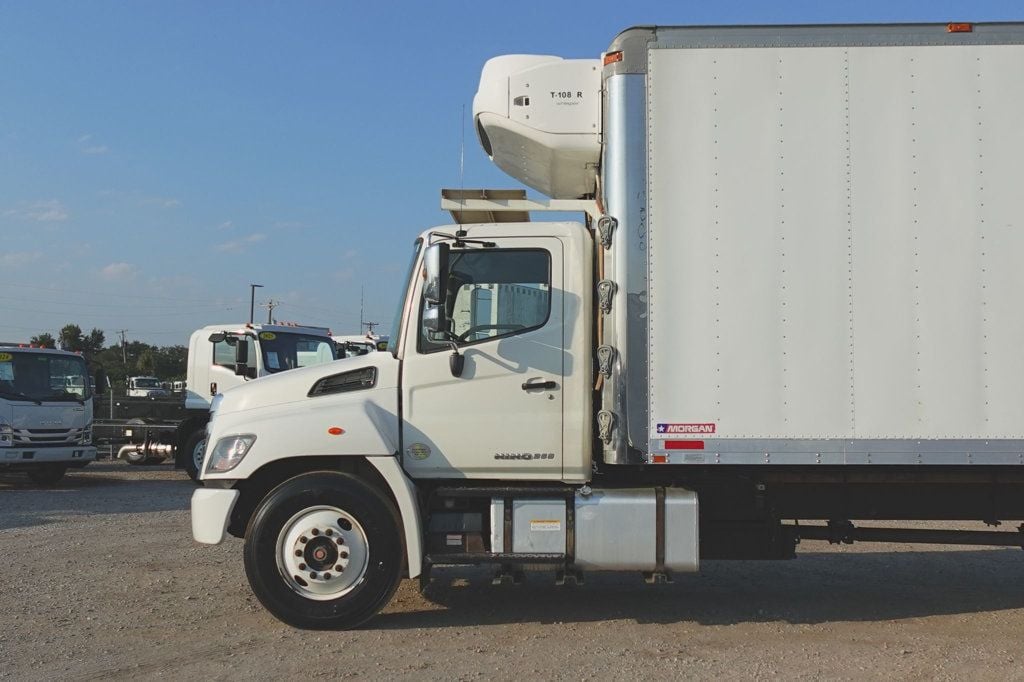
(147,382)
(396,323)
(283,351)
(45,377)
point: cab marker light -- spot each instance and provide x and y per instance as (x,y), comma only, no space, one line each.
(335,430)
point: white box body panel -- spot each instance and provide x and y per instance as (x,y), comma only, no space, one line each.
(834,236)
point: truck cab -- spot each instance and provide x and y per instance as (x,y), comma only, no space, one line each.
(146,387)
(221,357)
(45,412)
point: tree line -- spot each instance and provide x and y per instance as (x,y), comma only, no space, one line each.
(134,358)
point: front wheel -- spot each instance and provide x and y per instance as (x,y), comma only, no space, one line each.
(323,551)
(195,450)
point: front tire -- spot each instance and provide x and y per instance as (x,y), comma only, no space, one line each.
(323,551)
(195,449)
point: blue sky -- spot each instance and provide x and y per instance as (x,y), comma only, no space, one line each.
(156,158)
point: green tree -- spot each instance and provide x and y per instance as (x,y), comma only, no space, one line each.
(44,340)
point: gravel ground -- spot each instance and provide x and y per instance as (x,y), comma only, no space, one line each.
(100,579)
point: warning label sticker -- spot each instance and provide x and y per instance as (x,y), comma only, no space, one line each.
(545,525)
(685,429)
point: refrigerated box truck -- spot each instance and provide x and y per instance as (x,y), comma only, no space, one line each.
(794,304)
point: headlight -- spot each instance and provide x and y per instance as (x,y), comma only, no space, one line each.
(6,435)
(228,452)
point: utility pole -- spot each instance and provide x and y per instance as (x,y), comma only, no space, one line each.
(124,348)
(362,323)
(270,305)
(252,300)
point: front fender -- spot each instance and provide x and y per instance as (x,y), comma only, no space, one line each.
(363,423)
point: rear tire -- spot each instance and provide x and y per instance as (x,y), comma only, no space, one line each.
(47,474)
(324,551)
(195,449)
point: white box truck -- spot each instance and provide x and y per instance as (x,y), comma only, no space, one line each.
(45,412)
(793,305)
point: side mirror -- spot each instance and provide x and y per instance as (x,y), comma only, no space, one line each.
(101,382)
(217,337)
(435,266)
(242,358)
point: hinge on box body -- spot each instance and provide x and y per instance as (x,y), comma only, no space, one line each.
(606,228)
(605,293)
(605,424)
(605,360)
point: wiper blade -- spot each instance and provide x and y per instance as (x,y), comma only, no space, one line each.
(18,395)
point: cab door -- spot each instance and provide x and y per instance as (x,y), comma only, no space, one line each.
(502,418)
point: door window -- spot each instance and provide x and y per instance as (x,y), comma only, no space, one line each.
(494,293)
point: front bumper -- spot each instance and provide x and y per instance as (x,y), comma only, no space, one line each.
(211,513)
(25,457)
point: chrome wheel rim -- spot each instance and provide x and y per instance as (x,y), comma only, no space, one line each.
(322,553)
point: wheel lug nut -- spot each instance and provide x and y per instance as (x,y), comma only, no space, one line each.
(298,552)
(343,555)
(303,539)
(328,532)
(302,567)
(339,568)
(341,540)
(315,531)
(327,576)
(313,576)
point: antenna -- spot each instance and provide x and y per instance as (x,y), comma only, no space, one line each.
(462,157)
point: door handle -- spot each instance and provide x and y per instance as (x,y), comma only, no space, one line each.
(528,386)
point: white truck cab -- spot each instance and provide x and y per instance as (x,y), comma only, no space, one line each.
(45,412)
(146,387)
(223,356)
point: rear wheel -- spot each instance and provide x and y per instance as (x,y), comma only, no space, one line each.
(195,449)
(47,474)
(323,551)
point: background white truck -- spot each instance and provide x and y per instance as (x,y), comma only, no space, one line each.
(794,304)
(146,387)
(219,357)
(45,412)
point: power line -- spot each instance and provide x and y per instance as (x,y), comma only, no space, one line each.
(113,314)
(102,293)
(98,305)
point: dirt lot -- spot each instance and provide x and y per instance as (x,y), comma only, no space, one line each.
(101,579)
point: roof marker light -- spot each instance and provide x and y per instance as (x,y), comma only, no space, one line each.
(335,430)
(612,57)
(959,27)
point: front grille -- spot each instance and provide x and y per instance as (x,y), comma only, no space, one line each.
(41,438)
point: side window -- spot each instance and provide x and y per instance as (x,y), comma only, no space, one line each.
(494,293)
(224,354)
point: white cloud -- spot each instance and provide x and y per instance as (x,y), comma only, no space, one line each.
(87,146)
(119,272)
(241,244)
(50,211)
(15,259)
(226,225)
(162,202)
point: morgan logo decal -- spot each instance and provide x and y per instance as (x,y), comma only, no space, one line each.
(685,429)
